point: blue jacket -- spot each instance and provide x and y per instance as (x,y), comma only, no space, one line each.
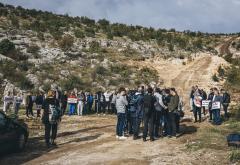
(139,105)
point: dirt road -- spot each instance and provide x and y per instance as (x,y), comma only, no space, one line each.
(91,139)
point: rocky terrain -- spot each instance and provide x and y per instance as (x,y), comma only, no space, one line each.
(38,49)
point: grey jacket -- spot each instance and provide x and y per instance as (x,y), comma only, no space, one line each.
(121,103)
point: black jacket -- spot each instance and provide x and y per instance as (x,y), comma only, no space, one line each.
(47,102)
(226,98)
(148,104)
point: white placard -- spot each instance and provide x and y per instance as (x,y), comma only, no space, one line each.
(205,103)
(8,99)
(72,100)
(216,105)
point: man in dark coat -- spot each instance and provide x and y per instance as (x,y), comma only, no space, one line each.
(29,105)
(50,118)
(149,112)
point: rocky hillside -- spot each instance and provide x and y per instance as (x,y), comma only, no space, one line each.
(39,48)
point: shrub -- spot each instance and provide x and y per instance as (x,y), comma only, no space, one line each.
(25,84)
(71,83)
(94,47)
(33,49)
(100,70)
(215,78)
(221,71)
(90,32)
(234,156)
(66,42)
(103,22)
(79,33)
(14,21)
(6,47)
(233,76)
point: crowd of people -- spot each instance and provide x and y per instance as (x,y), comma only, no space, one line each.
(158,110)
(201,102)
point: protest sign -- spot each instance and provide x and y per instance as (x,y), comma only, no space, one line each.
(205,103)
(72,100)
(216,105)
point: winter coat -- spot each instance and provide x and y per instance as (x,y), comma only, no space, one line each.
(121,103)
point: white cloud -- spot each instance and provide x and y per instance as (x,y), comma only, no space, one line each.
(204,15)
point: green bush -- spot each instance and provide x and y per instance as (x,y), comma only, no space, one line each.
(215,78)
(71,83)
(33,49)
(79,33)
(221,71)
(94,47)
(6,47)
(14,21)
(90,32)
(24,83)
(66,42)
(233,76)
(234,155)
(100,70)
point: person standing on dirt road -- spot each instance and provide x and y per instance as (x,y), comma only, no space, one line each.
(50,118)
(210,98)
(63,102)
(172,108)
(29,105)
(72,106)
(204,97)
(192,98)
(17,102)
(107,95)
(139,112)
(149,114)
(102,106)
(81,101)
(216,111)
(197,106)
(159,107)
(113,102)
(121,103)
(39,102)
(226,99)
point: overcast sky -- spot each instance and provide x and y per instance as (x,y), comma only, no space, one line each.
(197,15)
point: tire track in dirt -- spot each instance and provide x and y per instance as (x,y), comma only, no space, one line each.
(193,75)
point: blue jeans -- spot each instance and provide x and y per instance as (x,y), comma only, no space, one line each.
(216,116)
(17,106)
(71,109)
(120,124)
(197,113)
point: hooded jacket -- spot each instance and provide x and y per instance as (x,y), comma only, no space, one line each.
(121,103)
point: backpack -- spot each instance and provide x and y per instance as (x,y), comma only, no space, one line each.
(54,114)
(233,140)
(133,103)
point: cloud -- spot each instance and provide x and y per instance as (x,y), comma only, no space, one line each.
(196,15)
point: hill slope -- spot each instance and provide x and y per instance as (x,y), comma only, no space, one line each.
(38,49)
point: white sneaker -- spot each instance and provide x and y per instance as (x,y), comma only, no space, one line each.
(122,138)
(117,137)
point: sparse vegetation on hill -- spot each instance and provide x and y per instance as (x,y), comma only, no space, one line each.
(56,48)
